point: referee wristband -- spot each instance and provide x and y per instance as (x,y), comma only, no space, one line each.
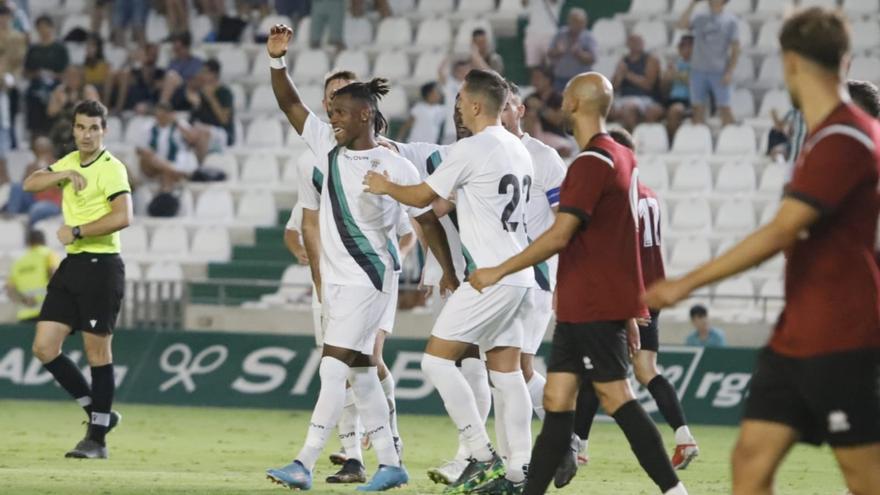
(277,63)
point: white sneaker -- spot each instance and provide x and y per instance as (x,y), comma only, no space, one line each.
(448,472)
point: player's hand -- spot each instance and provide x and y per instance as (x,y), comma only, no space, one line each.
(65,234)
(484,277)
(302,256)
(633,339)
(666,293)
(279,38)
(79,182)
(376,183)
(727,78)
(448,283)
(643,321)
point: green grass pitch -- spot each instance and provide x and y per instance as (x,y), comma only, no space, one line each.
(165,450)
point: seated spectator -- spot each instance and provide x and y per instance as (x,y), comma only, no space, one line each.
(451,80)
(295,9)
(426,118)
(573,49)
(636,84)
(30,275)
(165,154)
(678,79)
(97,70)
(329,15)
(543,18)
(182,68)
(550,109)
(19,12)
(483,55)
(72,90)
(43,65)
(13,44)
(129,16)
(138,86)
(532,123)
(177,15)
(704,335)
(212,111)
(44,204)
(358,28)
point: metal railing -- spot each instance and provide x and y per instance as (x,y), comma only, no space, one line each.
(153,304)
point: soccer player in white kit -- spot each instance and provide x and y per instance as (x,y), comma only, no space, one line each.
(490,174)
(358,250)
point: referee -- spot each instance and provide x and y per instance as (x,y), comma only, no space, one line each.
(85,292)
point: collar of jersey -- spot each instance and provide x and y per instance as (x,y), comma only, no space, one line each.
(84,165)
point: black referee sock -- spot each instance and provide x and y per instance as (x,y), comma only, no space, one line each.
(72,380)
(587,407)
(646,444)
(550,446)
(667,401)
(103,386)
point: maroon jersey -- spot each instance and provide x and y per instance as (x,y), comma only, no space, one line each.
(650,252)
(831,278)
(599,278)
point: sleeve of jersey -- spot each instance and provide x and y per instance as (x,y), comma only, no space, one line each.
(409,176)
(456,170)
(307,195)
(824,179)
(115,182)
(404,227)
(294,223)
(318,135)
(583,186)
(555,174)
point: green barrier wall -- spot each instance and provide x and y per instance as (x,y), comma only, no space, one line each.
(276,371)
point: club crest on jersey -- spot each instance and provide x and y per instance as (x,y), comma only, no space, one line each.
(374,163)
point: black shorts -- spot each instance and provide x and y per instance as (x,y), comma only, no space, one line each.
(86,292)
(833,398)
(597,348)
(650,335)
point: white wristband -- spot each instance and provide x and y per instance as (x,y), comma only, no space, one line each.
(277,63)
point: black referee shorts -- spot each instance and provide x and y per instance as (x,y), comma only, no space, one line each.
(650,335)
(86,292)
(597,348)
(832,399)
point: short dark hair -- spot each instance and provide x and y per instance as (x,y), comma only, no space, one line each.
(427,88)
(35,238)
(623,137)
(91,108)
(478,32)
(459,63)
(513,88)
(4,10)
(866,95)
(489,85)
(346,75)
(369,92)
(44,19)
(818,34)
(213,65)
(184,38)
(699,310)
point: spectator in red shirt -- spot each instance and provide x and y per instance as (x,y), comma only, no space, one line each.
(599,287)
(817,381)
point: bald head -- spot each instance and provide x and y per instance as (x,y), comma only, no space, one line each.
(577,19)
(588,95)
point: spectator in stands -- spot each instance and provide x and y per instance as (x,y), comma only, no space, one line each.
(543,23)
(426,118)
(13,44)
(44,204)
(295,9)
(573,49)
(358,28)
(72,90)
(716,51)
(97,70)
(451,80)
(704,335)
(177,16)
(483,56)
(20,20)
(212,111)
(678,81)
(44,63)
(329,15)
(550,109)
(532,123)
(165,153)
(139,85)
(129,16)
(636,83)
(182,68)
(29,277)
(865,95)
(8,107)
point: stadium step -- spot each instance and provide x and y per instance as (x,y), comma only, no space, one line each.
(201,293)
(262,270)
(269,235)
(272,253)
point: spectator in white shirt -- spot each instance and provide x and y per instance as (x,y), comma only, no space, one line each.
(426,119)
(451,80)
(165,154)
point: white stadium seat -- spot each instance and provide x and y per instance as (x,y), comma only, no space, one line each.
(826,4)
(169,241)
(736,295)
(466,30)
(693,138)
(770,73)
(739,7)
(257,208)
(260,69)
(303,32)
(772,179)
(260,169)
(691,216)
(648,8)
(653,174)
(476,7)
(861,7)
(133,270)
(688,253)
(692,177)
(394,32)
(392,65)
(434,33)
(402,6)
(746,36)
(211,243)
(265,132)
(768,36)
(312,95)
(164,271)
(215,206)
(134,240)
(775,99)
(769,211)
(736,177)
(355,61)
(736,140)
(610,33)
(735,217)
(200,26)
(233,63)
(311,66)
(263,100)
(865,35)
(296,282)
(394,105)
(12,235)
(239,97)
(777,8)
(865,69)
(137,128)
(157,28)
(435,7)
(225,162)
(654,33)
(742,104)
(271,20)
(651,138)
(744,72)
(426,66)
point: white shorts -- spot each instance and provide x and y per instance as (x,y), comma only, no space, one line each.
(317,318)
(537,314)
(352,316)
(491,319)
(387,323)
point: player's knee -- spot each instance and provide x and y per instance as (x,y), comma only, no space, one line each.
(99,355)
(556,400)
(645,374)
(45,351)
(750,471)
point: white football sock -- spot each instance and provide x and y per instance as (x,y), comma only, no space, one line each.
(388,388)
(517,418)
(328,408)
(350,428)
(676,490)
(373,409)
(462,453)
(474,371)
(536,392)
(683,436)
(501,445)
(460,404)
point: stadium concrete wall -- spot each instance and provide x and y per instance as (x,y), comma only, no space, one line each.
(277,371)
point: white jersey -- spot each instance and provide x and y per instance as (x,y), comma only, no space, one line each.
(543,196)
(490,174)
(427,157)
(358,229)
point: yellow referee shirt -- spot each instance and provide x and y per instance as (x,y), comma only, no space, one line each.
(106,178)
(30,276)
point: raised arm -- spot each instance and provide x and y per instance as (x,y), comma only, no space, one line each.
(286,94)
